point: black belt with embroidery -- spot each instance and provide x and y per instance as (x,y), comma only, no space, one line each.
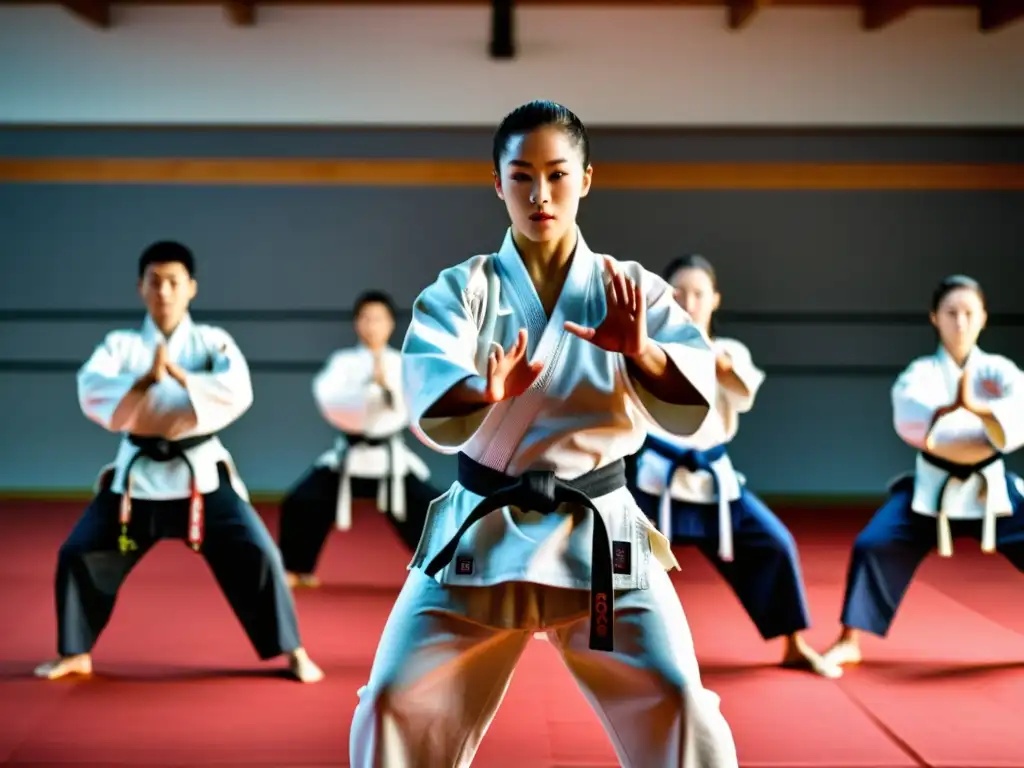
(543,492)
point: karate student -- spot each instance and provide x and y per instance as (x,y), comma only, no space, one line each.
(359,392)
(962,410)
(170,387)
(541,365)
(689,488)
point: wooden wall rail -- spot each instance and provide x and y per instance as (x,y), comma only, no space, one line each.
(463,173)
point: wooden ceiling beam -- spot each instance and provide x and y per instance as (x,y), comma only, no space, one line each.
(741,12)
(879,14)
(994,15)
(503,38)
(241,12)
(95,12)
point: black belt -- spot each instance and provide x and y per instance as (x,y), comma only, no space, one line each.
(358,438)
(543,492)
(162,450)
(953,469)
(960,472)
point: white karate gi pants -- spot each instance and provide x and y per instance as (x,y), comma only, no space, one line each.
(447,655)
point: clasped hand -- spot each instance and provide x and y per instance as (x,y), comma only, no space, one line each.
(161,367)
(967,399)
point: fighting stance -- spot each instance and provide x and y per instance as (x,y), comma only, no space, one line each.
(540,366)
(688,486)
(962,409)
(359,392)
(170,388)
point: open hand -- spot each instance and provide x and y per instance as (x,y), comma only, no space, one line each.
(509,372)
(624,328)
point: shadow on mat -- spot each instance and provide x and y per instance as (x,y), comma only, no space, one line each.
(724,669)
(152,673)
(910,671)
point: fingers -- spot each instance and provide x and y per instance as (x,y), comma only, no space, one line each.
(638,301)
(518,348)
(611,289)
(621,290)
(159,359)
(535,369)
(587,334)
(617,289)
(492,367)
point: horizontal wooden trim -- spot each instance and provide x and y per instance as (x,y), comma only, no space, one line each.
(471,173)
(312,367)
(702,130)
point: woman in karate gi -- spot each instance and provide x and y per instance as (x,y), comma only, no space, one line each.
(541,366)
(169,388)
(359,392)
(689,488)
(962,410)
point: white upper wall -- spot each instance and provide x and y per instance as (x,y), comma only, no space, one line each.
(429,65)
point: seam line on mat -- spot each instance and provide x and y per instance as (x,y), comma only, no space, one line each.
(899,741)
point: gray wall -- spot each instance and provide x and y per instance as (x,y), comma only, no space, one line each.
(828,288)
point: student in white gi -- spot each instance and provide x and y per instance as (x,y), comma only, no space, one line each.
(962,410)
(689,488)
(359,393)
(542,365)
(169,388)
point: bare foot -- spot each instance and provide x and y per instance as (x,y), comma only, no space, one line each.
(80,664)
(303,667)
(302,580)
(846,650)
(799,655)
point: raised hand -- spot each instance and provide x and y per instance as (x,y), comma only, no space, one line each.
(963,392)
(968,399)
(509,372)
(159,368)
(723,364)
(624,328)
(378,370)
(380,379)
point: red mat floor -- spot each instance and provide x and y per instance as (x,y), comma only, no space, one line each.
(176,683)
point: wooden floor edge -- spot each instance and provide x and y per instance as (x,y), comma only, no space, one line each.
(665,176)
